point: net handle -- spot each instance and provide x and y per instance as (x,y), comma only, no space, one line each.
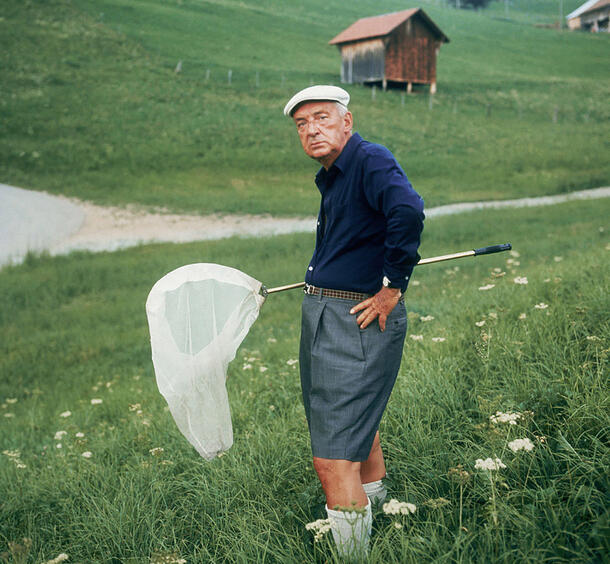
(473,253)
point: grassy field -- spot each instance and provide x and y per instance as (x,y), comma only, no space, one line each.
(92,107)
(73,330)
(91,462)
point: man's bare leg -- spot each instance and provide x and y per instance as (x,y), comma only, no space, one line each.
(341,483)
(373,468)
(372,471)
(351,530)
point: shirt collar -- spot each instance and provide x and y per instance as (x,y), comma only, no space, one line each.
(346,155)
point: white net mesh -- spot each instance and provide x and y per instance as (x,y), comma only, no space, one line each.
(198,315)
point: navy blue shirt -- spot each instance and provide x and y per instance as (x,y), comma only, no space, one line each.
(369,224)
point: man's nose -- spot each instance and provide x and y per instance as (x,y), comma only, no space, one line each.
(312,127)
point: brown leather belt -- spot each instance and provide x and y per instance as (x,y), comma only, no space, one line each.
(341,294)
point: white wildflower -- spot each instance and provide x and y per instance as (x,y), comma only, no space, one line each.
(522,316)
(58,445)
(96,401)
(272,407)
(65,414)
(520,444)
(511,417)
(593,338)
(520,280)
(320,528)
(487,287)
(417,282)
(59,558)
(438,339)
(492,315)
(80,435)
(272,340)
(398,525)
(515,254)
(9,415)
(14,457)
(263,369)
(558,259)
(11,400)
(480,323)
(426,318)
(291,362)
(417,337)
(59,435)
(246,366)
(395,507)
(156,451)
(489,464)
(541,305)
(87,454)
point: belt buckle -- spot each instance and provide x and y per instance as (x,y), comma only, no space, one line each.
(309,289)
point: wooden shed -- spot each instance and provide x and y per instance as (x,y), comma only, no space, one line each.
(593,15)
(393,48)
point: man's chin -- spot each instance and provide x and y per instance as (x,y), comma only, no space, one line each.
(319,152)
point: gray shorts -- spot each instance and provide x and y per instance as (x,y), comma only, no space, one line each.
(347,375)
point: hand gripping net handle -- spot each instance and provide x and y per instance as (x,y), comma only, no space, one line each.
(473,253)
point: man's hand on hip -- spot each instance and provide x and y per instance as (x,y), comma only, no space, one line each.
(378,306)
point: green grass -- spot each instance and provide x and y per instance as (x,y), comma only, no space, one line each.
(92,107)
(73,329)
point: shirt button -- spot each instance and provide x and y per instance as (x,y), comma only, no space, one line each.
(310,268)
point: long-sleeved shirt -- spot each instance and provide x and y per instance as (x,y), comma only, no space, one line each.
(369,224)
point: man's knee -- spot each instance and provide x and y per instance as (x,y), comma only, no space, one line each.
(331,471)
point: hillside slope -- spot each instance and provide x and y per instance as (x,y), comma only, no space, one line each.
(93,107)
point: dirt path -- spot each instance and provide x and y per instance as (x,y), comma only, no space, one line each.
(37,221)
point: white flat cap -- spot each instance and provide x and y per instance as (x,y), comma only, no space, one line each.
(318,92)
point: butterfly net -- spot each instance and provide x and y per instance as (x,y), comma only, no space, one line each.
(198,315)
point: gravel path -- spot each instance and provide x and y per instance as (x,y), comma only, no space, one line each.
(36,221)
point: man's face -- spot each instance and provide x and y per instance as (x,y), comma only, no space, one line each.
(323,131)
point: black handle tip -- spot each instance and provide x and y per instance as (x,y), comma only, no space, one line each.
(492,249)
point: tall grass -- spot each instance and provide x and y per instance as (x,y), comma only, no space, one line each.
(92,106)
(73,329)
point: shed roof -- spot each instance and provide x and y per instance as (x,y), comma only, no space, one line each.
(599,4)
(589,6)
(380,26)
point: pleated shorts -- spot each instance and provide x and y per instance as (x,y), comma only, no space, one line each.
(347,375)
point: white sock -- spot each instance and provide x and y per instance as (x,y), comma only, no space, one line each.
(351,531)
(375,491)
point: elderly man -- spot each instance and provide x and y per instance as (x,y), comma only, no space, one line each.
(353,317)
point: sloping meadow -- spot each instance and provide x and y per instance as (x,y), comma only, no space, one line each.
(178,104)
(496,430)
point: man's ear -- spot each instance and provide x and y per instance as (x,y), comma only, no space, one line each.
(349,121)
